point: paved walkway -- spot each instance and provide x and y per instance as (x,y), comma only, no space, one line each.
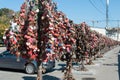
(2,49)
(105,68)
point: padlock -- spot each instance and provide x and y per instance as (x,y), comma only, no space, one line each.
(22,15)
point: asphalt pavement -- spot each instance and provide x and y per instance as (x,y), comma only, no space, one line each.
(105,68)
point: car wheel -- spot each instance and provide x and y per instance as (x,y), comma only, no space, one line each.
(30,69)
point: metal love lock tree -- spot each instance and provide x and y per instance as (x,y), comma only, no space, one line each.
(89,44)
(42,30)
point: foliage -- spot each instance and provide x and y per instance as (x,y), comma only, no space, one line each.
(6,11)
(5,17)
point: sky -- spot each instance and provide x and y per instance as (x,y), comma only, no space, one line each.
(88,11)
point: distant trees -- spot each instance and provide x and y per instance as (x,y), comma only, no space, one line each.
(6,11)
(5,17)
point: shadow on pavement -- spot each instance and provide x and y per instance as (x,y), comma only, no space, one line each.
(48,77)
(11,70)
(113,64)
(63,65)
(29,78)
(89,78)
(45,77)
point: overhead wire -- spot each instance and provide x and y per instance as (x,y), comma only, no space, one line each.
(96,7)
(102,3)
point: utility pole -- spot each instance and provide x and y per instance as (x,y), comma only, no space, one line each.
(93,22)
(118,30)
(107,17)
(107,3)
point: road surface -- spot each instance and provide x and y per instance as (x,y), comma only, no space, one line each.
(105,68)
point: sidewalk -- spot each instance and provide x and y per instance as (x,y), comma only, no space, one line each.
(2,49)
(105,68)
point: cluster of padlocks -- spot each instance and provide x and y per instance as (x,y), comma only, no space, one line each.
(21,37)
(89,43)
(60,37)
(86,42)
(57,31)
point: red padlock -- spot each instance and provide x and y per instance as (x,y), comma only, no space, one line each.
(22,15)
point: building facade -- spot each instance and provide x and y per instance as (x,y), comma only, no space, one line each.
(111,33)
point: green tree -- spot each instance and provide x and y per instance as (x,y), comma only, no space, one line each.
(5,16)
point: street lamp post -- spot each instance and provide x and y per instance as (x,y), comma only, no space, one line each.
(107,17)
